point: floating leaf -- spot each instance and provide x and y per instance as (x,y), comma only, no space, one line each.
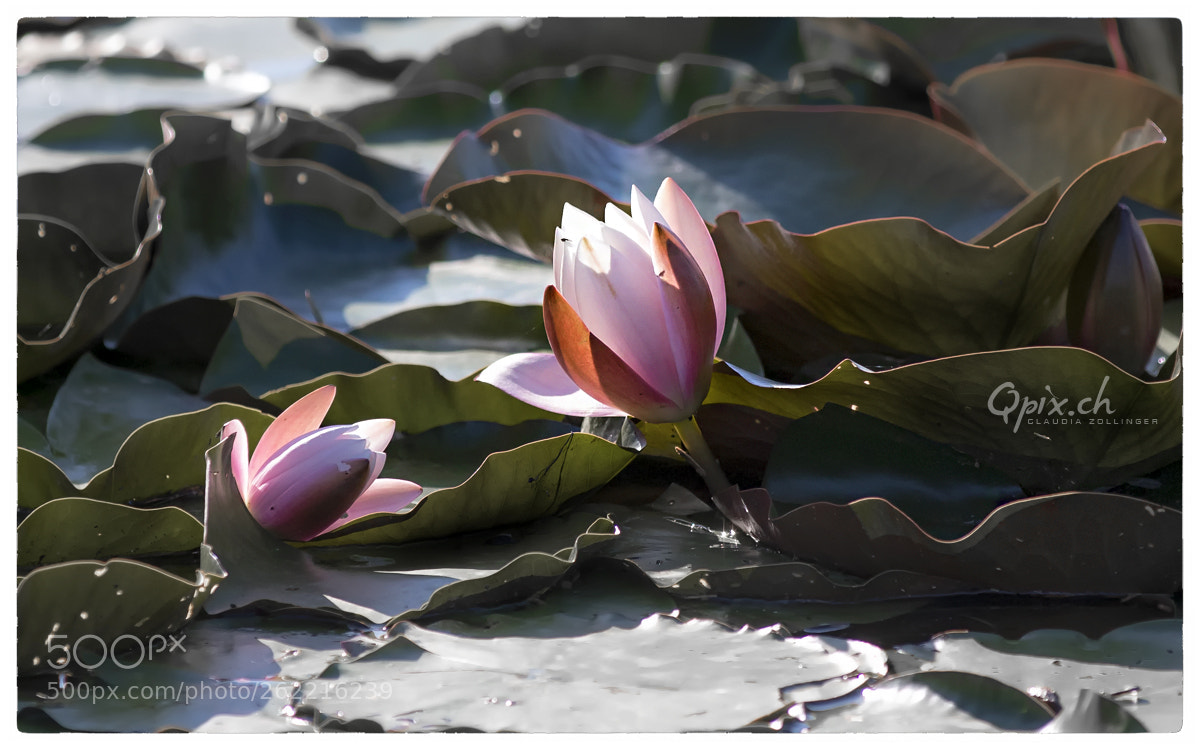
(1145,657)
(459,340)
(89,606)
(59,311)
(266,347)
(663,675)
(1070,543)
(266,570)
(1053,119)
(968,402)
(236,224)
(837,456)
(98,407)
(871,281)
(415,396)
(513,486)
(916,168)
(938,702)
(123,84)
(76,528)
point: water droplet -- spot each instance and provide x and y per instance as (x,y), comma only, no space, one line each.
(321,54)
(504,179)
(268,198)
(449,206)
(83,615)
(516,132)
(495,99)
(41,230)
(99,572)
(302,178)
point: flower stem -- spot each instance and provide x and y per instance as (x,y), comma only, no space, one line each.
(701,455)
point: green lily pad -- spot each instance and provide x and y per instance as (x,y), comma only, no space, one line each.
(66,88)
(159,462)
(937,702)
(76,528)
(39,480)
(691,560)
(229,674)
(1069,116)
(869,281)
(627,99)
(126,138)
(78,273)
(494,55)
(418,398)
(457,340)
(512,486)
(948,399)
(296,136)
(94,608)
(1145,657)
(1092,712)
(98,407)
(748,161)
(283,221)
(950,46)
(837,456)
(264,570)
(667,676)
(265,348)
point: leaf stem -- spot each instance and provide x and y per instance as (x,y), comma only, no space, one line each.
(701,456)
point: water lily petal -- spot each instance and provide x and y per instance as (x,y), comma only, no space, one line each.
(382,496)
(377,432)
(578,223)
(240,458)
(324,447)
(645,214)
(317,495)
(686,222)
(301,417)
(538,379)
(597,370)
(622,309)
(691,319)
(617,220)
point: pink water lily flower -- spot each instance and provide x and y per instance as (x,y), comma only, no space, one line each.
(634,317)
(304,480)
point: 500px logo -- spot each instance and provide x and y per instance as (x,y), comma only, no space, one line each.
(91,645)
(1007,401)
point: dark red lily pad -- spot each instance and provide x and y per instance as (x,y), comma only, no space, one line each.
(1053,119)
(1069,543)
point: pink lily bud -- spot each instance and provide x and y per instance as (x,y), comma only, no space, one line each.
(1115,301)
(634,317)
(303,481)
